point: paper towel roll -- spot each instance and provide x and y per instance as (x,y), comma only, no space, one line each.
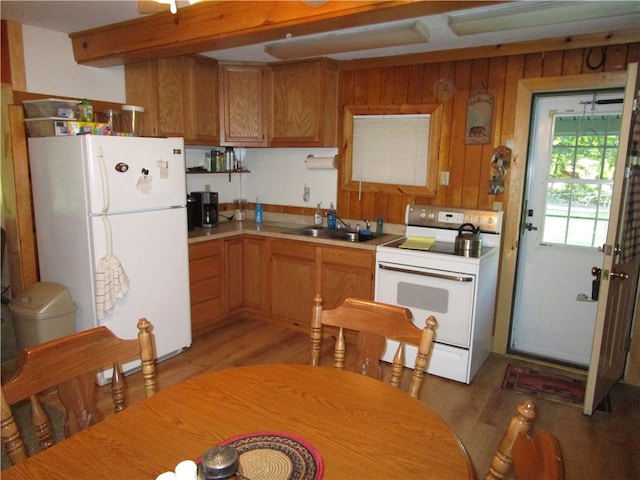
(321,163)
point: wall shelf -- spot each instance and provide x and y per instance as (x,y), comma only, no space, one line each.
(201,172)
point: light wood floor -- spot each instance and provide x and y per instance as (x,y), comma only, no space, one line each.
(604,446)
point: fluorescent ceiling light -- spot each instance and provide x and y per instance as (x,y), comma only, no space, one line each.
(391,35)
(535,14)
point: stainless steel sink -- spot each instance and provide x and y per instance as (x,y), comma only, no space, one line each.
(335,234)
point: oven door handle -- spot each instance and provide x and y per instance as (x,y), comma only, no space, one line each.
(454,278)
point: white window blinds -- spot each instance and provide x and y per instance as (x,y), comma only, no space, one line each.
(392,149)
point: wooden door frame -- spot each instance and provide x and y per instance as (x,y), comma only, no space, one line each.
(517,176)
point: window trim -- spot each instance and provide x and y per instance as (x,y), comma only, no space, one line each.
(429,190)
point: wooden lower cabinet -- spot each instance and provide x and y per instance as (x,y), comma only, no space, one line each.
(345,272)
(234,261)
(256,274)
(272,279)
(206,280)
(293,281)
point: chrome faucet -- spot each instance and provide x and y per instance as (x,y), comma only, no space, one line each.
(342,222)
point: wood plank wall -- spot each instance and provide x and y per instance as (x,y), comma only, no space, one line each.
(468,165)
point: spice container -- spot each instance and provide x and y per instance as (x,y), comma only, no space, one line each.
(220,463)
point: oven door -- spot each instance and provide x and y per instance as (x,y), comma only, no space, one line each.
(448,296)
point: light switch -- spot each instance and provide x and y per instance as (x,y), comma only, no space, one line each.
(444,178)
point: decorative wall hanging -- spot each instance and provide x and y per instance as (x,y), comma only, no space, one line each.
(479,119)
(499,165)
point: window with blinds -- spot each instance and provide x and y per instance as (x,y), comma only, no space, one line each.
(391,149)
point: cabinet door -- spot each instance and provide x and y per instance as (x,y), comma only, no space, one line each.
(303,104)
(345,272)
(234,258)
(202,113)
(139,81)
(242,117)
(292,281)
(170,101)
(206,281)
(256,273)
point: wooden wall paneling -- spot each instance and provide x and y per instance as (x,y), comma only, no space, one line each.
(552,63)
(533,65)
(633,53)
(497,75)
(430,77)
(373,86)
(400,85)
(616,59)
(381,206)
(444,72)
(387,76)
(396,207)
(458,148)
(475,175)
(415,82)
(360,88)
(347,81)
(573,63)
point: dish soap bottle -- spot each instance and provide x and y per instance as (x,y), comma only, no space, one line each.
(317,216)
(258,213)
(331,216)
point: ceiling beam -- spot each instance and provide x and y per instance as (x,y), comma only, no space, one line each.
(215,25)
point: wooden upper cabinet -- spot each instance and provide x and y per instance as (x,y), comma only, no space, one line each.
(202,114)
(170,103)
(242,112)
(303,103)
(179,95)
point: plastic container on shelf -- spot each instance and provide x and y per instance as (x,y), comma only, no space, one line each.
(50,107)
(131,120)
(42,312)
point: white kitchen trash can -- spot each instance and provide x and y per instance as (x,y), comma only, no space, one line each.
(42,312)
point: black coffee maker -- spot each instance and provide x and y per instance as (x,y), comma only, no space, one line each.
(205,209)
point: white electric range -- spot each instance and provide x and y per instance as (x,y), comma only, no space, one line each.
(457,288)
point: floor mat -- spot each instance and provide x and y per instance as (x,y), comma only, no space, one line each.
(548,385)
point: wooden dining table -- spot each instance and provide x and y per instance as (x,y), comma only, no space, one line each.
(360,427)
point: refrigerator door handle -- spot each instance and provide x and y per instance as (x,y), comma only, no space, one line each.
(105,181)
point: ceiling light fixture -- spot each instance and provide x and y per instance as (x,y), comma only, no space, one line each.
(173,4)
(535,14)
(381,36)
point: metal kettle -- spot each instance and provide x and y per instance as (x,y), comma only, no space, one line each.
(468,242)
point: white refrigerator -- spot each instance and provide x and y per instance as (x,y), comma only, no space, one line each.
(111,226)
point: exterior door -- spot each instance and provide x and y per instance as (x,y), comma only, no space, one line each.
(621,260)
(574,146)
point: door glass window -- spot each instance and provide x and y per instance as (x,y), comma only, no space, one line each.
(580,179)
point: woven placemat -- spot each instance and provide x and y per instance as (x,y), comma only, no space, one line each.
(277,456)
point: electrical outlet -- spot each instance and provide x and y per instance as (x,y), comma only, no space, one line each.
(306,196)
(207,188)
(444,178)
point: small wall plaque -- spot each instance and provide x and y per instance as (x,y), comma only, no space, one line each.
(479,119)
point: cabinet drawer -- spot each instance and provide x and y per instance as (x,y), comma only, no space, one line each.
(294,249)
(205,249)
(209,267)
(207,289)
(349,256)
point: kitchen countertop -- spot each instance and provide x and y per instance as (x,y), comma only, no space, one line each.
(233,228)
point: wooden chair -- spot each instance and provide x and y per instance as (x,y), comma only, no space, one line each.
(71,364)
(534,457)
(374,322)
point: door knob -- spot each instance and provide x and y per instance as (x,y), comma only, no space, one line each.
(620,275)
(530,227)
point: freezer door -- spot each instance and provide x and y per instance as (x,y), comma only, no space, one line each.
(128,174)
